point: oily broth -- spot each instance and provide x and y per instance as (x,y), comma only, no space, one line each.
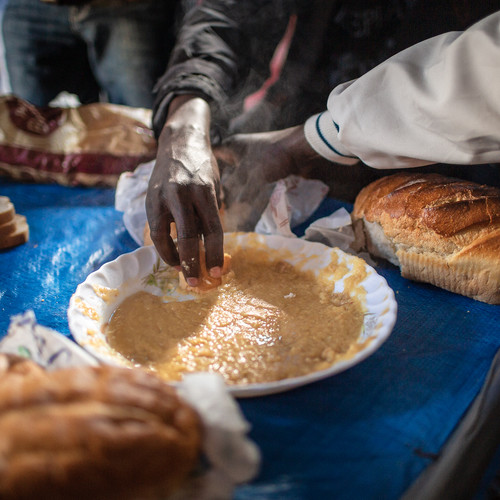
(269,321)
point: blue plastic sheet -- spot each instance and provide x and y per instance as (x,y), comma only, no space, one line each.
(366,433)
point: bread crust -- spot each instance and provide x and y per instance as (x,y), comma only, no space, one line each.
(15,233)
(438,229)
(92,432)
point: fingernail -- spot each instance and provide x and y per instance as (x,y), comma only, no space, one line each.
(192,281)
(215,272)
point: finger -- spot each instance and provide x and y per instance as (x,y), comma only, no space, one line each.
(188,242)
(167,250)
(209,217)
(159,219)
(164,244)
(189,252)
(214,253)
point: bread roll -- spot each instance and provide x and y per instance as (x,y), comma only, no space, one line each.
(15,233)
(437,229)
(10,226)
(14,229)
(92,433)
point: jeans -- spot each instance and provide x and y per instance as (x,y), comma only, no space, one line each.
(107,50)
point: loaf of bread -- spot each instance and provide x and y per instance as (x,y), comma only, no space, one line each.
(437,229)
(92,433)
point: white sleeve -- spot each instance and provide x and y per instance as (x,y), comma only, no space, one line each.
(436,102)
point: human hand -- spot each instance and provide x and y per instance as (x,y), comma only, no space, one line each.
(184,188)
(249,162)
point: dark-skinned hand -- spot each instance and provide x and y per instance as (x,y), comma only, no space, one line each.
(249,162)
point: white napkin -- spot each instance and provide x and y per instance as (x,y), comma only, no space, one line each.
(292,201)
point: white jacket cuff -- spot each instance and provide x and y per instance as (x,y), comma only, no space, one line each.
(322,135)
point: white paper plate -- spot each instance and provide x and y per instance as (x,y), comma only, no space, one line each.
(90,308)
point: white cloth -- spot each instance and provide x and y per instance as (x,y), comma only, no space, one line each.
(435,102)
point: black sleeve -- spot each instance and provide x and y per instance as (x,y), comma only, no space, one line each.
(221,45)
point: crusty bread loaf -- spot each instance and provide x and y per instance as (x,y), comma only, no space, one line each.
(92,433)
(11,225)
(437,229)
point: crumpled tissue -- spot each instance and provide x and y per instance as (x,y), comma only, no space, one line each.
(292,201)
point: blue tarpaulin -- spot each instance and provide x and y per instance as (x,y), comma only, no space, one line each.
(366,433)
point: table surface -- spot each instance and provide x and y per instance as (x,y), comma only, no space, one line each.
(365,433)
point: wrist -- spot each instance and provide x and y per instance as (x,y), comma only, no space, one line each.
(300,153)
(188,118)
(188,102)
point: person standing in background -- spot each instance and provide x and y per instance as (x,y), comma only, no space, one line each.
(99,50)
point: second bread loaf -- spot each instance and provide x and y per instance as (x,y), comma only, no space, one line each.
(437,229)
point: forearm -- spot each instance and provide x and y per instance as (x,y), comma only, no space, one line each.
(436,102)
(294,146)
